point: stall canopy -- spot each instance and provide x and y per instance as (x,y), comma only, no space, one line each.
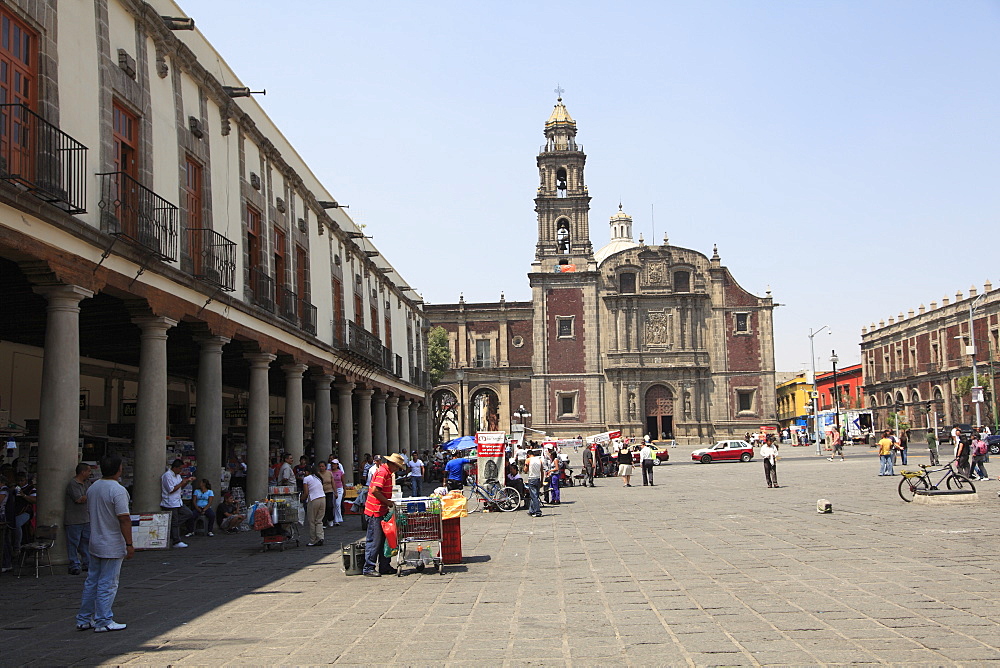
(462,443)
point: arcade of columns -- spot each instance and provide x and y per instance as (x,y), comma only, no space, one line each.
(59,423)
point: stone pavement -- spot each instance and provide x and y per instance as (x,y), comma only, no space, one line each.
(709,567)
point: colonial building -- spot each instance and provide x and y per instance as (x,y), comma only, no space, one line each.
(174,277)
(647,338)
(794,401)
(924,359)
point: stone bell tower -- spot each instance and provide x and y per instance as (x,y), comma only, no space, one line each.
(566,380)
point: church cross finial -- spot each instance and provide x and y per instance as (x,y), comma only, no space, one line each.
(559,91)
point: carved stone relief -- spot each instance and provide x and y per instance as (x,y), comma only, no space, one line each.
(657,328)
(655,273)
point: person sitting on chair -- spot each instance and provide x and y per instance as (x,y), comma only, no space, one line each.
(229,518)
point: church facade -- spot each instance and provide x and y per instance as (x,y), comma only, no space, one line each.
(649,339)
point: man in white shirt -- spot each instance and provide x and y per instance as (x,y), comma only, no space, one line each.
(171,484)
(286,474)
(646,462)
(533,469)
(416,475)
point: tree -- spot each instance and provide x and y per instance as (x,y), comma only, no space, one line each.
(963,388)
(438,354)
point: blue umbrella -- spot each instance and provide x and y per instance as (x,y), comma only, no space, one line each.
(462,443)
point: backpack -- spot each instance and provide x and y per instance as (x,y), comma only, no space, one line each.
(979,448)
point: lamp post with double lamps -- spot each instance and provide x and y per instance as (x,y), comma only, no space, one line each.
(815,394)
(836,392)
(977,392)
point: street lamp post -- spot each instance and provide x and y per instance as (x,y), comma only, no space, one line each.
(836,392)
(972,353)
(460,374)
(815,394)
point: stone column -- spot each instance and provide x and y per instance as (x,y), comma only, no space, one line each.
(414,429)
(392,431)
(293,409)
(258,425)
(423,420)
(323,431)
(380,444)
(151,413)
(364,422)
(404,425)
(346,436)
(59,416)
(208,413)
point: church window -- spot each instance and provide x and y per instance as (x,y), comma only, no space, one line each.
(682,281)
(744,401)
(483,353)
(626,283)
(561,182)
(517,341)
(566,405)
(562,236)
(564,327)
(743,322)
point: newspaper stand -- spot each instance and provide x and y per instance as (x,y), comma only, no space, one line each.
(286,514)
(418,533)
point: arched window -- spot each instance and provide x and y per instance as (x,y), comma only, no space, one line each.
(562,236)
(682,281)
(561,182)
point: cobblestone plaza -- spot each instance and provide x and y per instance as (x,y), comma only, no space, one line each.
(709,567)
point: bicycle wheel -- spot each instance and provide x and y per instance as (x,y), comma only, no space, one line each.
(909,486)
(472,495)
(957,482)
(508,500)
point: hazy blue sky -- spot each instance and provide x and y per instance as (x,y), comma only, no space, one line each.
(837,152)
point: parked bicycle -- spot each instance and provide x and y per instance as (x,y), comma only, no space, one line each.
(493,496)
(914,481)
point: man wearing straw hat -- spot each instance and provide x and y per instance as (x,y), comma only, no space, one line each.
(378,504)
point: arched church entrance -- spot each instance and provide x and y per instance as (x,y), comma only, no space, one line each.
(659,412)
(485,411)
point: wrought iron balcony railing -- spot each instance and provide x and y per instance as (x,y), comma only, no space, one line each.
(307,314)
(213,258)
(387,360)
(135,213)
(262,289)
(364,344)
(288,303)
(43,159)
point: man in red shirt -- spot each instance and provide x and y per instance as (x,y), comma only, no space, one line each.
(376,506)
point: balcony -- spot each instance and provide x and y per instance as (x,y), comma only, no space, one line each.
(262,289)
(41,158)
(213,258)
(307,313)
(399,367)
(287,302)
(363,344)
(387,360)
(132,212)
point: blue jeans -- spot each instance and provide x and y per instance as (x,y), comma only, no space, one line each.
(534,489)
(416,485)
(886,465)
(375,561)
(78,541)
(554,488)
(902,455)
(99,592)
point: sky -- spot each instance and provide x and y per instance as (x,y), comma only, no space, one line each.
(844,155)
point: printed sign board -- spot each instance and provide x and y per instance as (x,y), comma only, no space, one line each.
(490,449)
(151,531)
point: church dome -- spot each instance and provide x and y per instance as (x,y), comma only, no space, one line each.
(621,236)
(559,116)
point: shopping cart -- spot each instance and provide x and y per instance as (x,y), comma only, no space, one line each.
(418,533)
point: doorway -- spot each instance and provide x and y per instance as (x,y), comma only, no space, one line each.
(660,412)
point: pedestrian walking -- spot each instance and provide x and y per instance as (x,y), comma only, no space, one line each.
(588,465)
(769,453)
(838,445)
(625,465)
(962,454)
(904,442)
(932,448)
(979,451)
(646,463)
(315,502)
(553,475)
(171,483)
(416,474)
(379,503)
(885,447)
(533,470)
(110,546)
(77,519)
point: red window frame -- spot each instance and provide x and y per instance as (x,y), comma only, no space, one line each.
(192,208)
(18,62)
(254,249)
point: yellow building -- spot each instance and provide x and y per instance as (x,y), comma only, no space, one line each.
(794,400)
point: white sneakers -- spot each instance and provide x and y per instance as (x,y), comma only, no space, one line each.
(180,544)
(112,626)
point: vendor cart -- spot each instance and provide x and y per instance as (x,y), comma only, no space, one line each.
(418,533)
(286,514)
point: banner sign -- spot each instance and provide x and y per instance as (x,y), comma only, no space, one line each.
(490,448)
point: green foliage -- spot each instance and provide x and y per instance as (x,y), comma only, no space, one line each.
(964,385)
(438,354)
(893,418)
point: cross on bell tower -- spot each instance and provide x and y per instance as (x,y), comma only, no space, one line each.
(562,202)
